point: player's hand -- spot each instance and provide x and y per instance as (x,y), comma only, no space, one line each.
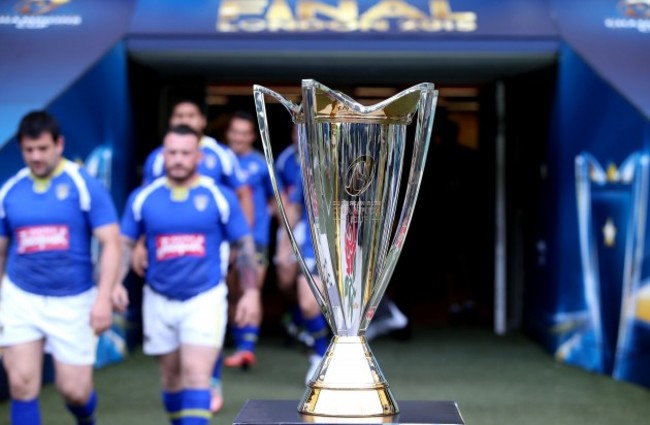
(120,298)
(139,262)
(249,308)
(101,315)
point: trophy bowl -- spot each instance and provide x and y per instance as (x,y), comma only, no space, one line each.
(351,159)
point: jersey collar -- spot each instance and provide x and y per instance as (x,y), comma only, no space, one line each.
(42,184)
(180,194)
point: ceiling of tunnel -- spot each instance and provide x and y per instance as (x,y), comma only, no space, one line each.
(345,67)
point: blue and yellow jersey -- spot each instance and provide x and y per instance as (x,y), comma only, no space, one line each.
(287,168)
(219,162)
(257,176)
(187,230)
(50,223)
(297,197)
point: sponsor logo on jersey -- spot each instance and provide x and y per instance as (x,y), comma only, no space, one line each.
(174,246)
(201,202)
(43,238)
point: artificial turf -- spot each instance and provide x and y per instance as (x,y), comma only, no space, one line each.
(494,379)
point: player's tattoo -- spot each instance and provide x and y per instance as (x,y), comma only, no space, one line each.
(245,262)
(125,261)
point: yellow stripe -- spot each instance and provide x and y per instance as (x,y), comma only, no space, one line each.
(194,413)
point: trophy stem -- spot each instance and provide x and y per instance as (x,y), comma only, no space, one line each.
(348,383)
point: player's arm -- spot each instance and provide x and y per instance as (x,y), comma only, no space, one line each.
(284,251)
(128,245)
(109,238)
(139,261)
(4,244)
(120,294)
(131,230)
(249,305)
(273,204)
(293,211)
(245,197)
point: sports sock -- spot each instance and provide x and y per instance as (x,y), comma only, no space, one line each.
(296,316)
(236,333)
(195,407)
(173,403)
(216,370)
(318,328)
(25,412)
(248,338)
(85,413)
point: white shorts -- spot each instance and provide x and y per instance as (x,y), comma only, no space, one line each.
(300,232)
(168,323)
(64,322)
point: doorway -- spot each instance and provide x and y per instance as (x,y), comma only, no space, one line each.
(450,248)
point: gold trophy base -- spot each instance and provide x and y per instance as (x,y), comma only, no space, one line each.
(348,383)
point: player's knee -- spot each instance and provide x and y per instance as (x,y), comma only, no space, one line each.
(74,392)
(23,385)
(308,305)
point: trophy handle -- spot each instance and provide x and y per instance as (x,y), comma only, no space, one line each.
(295,111)
(426,112)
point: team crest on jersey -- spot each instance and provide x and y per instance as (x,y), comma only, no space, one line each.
(210,161)
(201,202)
(62,191)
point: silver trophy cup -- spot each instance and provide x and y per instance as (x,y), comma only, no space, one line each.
(351,159)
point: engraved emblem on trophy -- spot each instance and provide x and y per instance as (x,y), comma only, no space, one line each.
(352,160)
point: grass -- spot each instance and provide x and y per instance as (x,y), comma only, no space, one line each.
(494,379)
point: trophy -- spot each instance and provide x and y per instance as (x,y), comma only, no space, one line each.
(351,159)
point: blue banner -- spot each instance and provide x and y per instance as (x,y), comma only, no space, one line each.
(589,307)
(608,201)
(45,45)
(613,36)
(633,347)
(506,18)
